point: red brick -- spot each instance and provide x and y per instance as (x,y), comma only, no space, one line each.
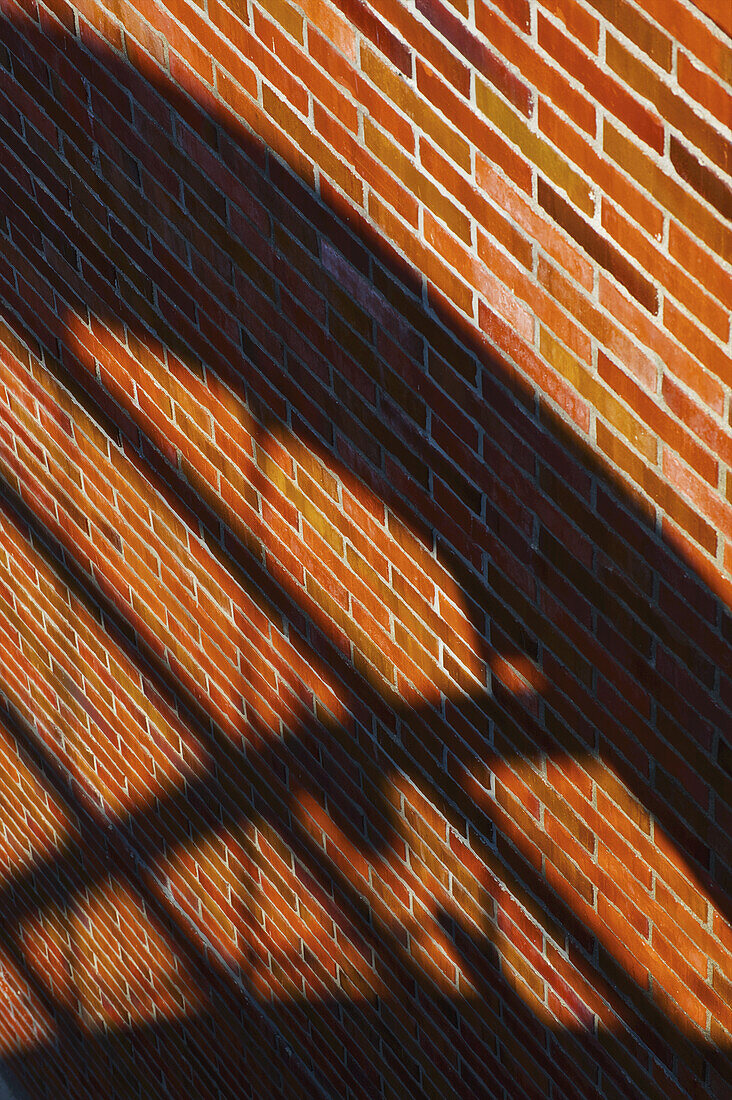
(538,229)
(706,501)
(698,419)
(579,23)
(648,214)
(287,441)
(611,94)
(470,126)
(647,332)
(484,213)
(699,264)
(479,57)
(670,106)
(598,247)
(544,77)
(705,350)
(433,267)
(707,91)
(673,276)
(677,19)
(667,192)
(704,181)
(718,12)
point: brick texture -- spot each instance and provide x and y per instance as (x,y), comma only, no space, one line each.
(365,549)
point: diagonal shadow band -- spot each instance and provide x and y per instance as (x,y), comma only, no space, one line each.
(139,840)
(517,733)
(67,877)
(644,1015)
(195,495)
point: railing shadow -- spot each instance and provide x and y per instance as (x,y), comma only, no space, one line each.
(315,334)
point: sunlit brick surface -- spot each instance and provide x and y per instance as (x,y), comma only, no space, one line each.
(365,549)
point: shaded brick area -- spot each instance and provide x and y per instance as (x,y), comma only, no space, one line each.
(365,549)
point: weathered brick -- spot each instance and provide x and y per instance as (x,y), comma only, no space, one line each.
(597,247)
(544,77)
(534,148)
(611,94)
(365,548)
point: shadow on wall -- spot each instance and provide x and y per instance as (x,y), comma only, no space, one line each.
(9,1089)
(441,615)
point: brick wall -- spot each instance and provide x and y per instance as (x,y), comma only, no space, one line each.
(365,549)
